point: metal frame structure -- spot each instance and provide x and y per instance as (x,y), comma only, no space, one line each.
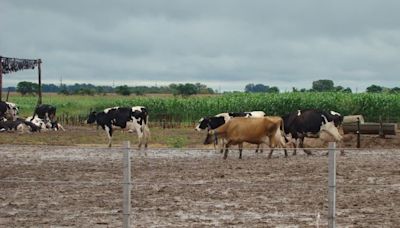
(39,61)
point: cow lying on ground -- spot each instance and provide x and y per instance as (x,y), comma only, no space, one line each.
(43,124)
(251,130)
(211,123)
(19,125)
(8,111)
(132,118)
(309,123)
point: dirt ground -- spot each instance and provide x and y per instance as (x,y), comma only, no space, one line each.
(69,186)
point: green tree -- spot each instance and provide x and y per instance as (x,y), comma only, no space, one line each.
(25,87)
(258,88)
(186,89)
(347,90)
(123,90)
(273,89)
(323,85)
(374,89)
(395,90)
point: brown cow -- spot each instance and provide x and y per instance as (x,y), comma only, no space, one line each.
(251,130)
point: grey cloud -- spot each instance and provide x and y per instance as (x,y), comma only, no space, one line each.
(221,43)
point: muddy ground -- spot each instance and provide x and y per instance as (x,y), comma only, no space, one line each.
(65,186)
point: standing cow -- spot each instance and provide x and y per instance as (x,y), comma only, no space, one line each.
(45,112)
(309,123)
(211,123)
(251,130)
(132,118)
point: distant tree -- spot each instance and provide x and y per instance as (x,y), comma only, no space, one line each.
(86,91)
(394,90)
(50,88)
(63,90)
(374,89)
(123,90)
(203,89)
(347,90)
(25,87)
(139,92)
(258,88)
(186,89)
(323,85)
(273,89)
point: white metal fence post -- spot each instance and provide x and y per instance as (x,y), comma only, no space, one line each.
(127,185)
(332,185)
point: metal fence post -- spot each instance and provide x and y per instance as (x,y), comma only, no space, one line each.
(127,185)
(332,185)
(358,133)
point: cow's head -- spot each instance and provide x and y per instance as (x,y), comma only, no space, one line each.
(210,123)
(12,111)
(330,128)
(203,124)
(336,117)
(92,118)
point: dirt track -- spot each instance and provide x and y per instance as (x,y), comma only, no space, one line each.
(44,186)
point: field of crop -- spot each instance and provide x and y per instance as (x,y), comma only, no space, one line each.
(190,109)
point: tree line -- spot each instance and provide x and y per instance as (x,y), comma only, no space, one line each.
(187,89)
(26,88)
(322,85)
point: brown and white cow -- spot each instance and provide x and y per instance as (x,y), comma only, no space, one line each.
(213,122)
(251,130)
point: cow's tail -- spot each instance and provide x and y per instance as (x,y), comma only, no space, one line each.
(34,112)
(282,127)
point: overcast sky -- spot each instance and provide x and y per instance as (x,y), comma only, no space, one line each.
(224,44)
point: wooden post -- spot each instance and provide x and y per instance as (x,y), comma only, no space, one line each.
(127,185)
(358,133)
(1,78)
(8,93)
(381,133)
(40,82)
(332,185)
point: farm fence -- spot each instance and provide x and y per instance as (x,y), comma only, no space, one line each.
(374,183)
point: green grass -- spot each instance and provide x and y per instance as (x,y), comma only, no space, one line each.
(192,108)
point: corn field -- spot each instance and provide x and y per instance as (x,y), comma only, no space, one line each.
(190,109)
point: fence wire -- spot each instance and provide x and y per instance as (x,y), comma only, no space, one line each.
(163,152)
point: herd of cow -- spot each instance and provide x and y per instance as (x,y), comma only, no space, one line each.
(234,128)
(43,118)
(258,128)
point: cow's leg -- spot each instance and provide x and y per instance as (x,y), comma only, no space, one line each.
(259,148)
(308,152)
(226,150)
(272,146)
(222,145)
(146,136)
(139,130)
(108,130)
(240,150)
(295,147)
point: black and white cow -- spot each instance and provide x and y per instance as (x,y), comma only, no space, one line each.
(45,112)
(132,118)
(310,123)
(213,122)
(8,111)
(20,125)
